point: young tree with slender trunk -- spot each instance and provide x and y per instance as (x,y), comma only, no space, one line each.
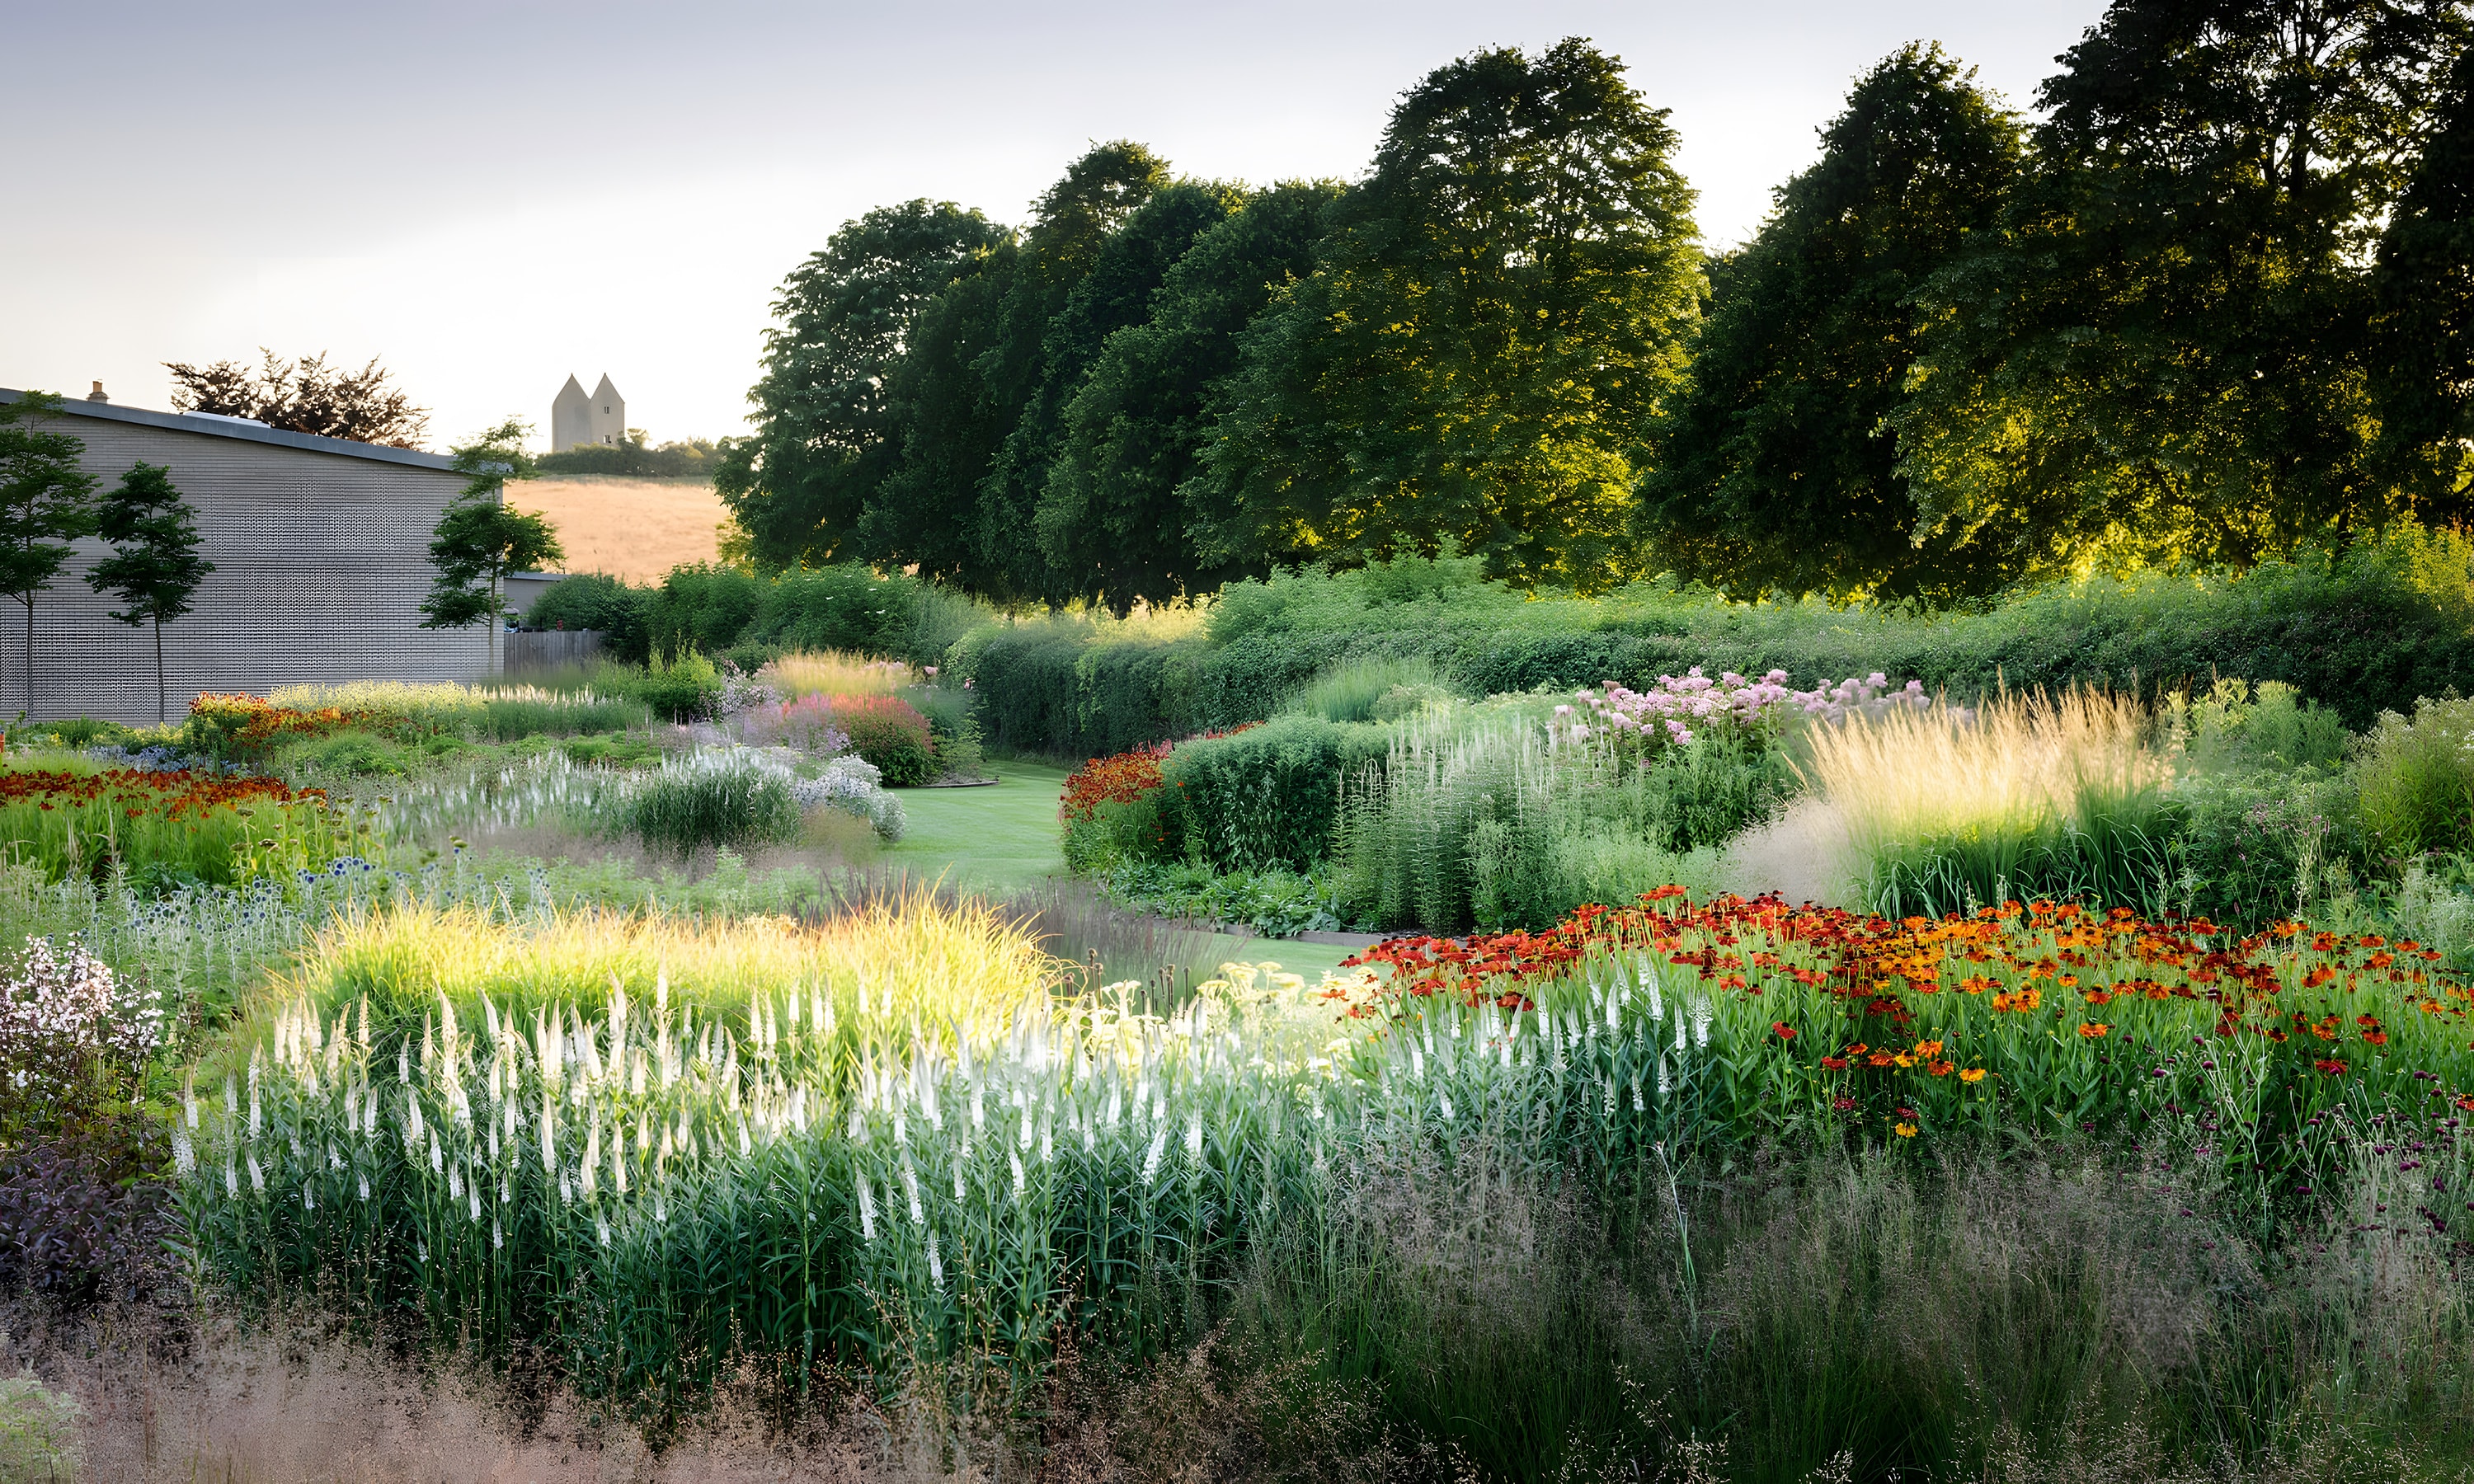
(154,568)
(480,540)
(45,502)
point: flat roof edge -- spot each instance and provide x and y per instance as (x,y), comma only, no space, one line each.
(217,427)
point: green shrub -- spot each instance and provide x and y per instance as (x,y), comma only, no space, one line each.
(2417,780)
(711,799)
(2366,629)
(2255,847)
(1266,796)
(592,601)
(681,688)
(75,732)
(1115,831)
(721,610)
(359,754)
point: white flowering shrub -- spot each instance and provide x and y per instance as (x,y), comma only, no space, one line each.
(853,786)
(56,998)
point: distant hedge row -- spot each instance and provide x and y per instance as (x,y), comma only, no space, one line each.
(2368,630)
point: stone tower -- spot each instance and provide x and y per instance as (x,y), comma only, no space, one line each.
(576,417)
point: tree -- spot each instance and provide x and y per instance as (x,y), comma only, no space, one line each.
(2424,291)
(824,440)
(1774,471)
(304,397)
(480,540)
(2165,354)
(953,506)
(154,568)
(1114,295)
(1112,519)
(45,502)
(1475,358)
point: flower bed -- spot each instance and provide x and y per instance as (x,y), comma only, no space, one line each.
(203,827)
(2254,1054)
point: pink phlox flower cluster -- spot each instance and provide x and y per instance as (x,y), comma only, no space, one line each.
(1870,696)
(1681,708)
(58,994)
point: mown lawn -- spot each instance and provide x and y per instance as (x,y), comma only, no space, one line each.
(1003,837)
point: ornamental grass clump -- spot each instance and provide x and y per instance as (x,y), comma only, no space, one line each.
(831,671)
(787,1151)
(708,800)
(1947,809)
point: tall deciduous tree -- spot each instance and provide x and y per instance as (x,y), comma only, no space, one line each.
(1114,295)
(154,568)
(799,485)
(46,501)
(306,395)
(1476,357)
(1774,470)
(953,506)
(479,539)
(1112,519)
(2166,355)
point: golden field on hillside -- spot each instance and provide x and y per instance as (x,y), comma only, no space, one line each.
(636,529)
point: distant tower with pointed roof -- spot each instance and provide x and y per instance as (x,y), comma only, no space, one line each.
(577,416)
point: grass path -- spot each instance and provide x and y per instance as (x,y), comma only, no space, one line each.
(1003,837)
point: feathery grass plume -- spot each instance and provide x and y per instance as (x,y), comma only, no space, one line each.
(1946,808)
(831,671)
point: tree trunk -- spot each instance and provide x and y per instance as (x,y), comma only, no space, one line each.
(29,710)
(490,652)
(163,702)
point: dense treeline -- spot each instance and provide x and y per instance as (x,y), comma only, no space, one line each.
(2211,306)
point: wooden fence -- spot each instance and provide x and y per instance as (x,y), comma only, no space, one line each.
(549,650)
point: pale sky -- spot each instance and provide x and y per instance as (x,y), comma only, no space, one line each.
(491,196)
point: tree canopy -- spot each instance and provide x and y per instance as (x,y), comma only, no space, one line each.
(1491,321)
(306,395)
(2164,353)
(2212,306)
(1775,472)
(799,487)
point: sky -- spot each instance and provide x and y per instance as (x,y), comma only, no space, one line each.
(490,197)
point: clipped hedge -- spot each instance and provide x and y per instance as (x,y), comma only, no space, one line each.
(720,609)
(591,600)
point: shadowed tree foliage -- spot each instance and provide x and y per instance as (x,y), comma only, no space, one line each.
(799,485)
(154,568)
(1112,519)
(1475,357)
(2164,355)
(2425,291)
(306,395)
(1774,470)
